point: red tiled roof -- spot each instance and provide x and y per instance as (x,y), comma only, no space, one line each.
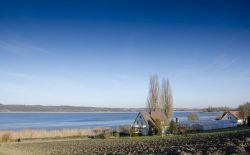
(235,114)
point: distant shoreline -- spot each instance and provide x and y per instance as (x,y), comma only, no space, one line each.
(74,109)
(86,111)
(65,112)
(92,111)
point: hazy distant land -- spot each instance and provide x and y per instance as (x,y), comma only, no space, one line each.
(63,108)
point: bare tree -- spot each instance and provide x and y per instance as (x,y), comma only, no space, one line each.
(244,111)
(153,96)
(167,100)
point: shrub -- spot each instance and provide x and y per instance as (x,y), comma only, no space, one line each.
(172,127)
(116,134)
(135,134)
(105,135)
(193,116)
(182,130)
(124,131)
(18,140)
(101,136)
(158,126)
(6,137)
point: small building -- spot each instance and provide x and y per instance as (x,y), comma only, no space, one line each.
(232,116)
(145,122)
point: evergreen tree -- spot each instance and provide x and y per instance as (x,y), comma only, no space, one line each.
(172,127)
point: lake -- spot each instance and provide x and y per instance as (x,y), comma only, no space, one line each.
(15,121)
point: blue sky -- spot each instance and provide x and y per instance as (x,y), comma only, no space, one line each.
(101,53)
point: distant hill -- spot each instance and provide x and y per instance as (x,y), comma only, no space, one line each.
(41,108)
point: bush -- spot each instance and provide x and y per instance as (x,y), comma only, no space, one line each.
(193,116)
(158,126)
(172,127)
(182,130)
(116,134)
(124,131)
(6,137)
(105,135)
(135,134)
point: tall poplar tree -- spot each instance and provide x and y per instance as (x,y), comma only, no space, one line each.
(153,96)
(166,100)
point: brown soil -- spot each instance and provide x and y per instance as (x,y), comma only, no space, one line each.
(221,143)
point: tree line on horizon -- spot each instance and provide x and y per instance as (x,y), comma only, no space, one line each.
(216,109)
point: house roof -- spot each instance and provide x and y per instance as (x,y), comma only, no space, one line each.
(150,117)
(236,114)
(233,113)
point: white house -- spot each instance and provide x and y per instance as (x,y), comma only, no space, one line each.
(233,116)
(145,122)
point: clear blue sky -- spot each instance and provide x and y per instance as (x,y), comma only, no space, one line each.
(101,53)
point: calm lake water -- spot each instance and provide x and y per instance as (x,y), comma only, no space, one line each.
(14,121)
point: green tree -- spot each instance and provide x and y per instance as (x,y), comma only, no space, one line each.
(244,111)
(153,96)
(167,100)
(172,127)
(158,126)
(193,116)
